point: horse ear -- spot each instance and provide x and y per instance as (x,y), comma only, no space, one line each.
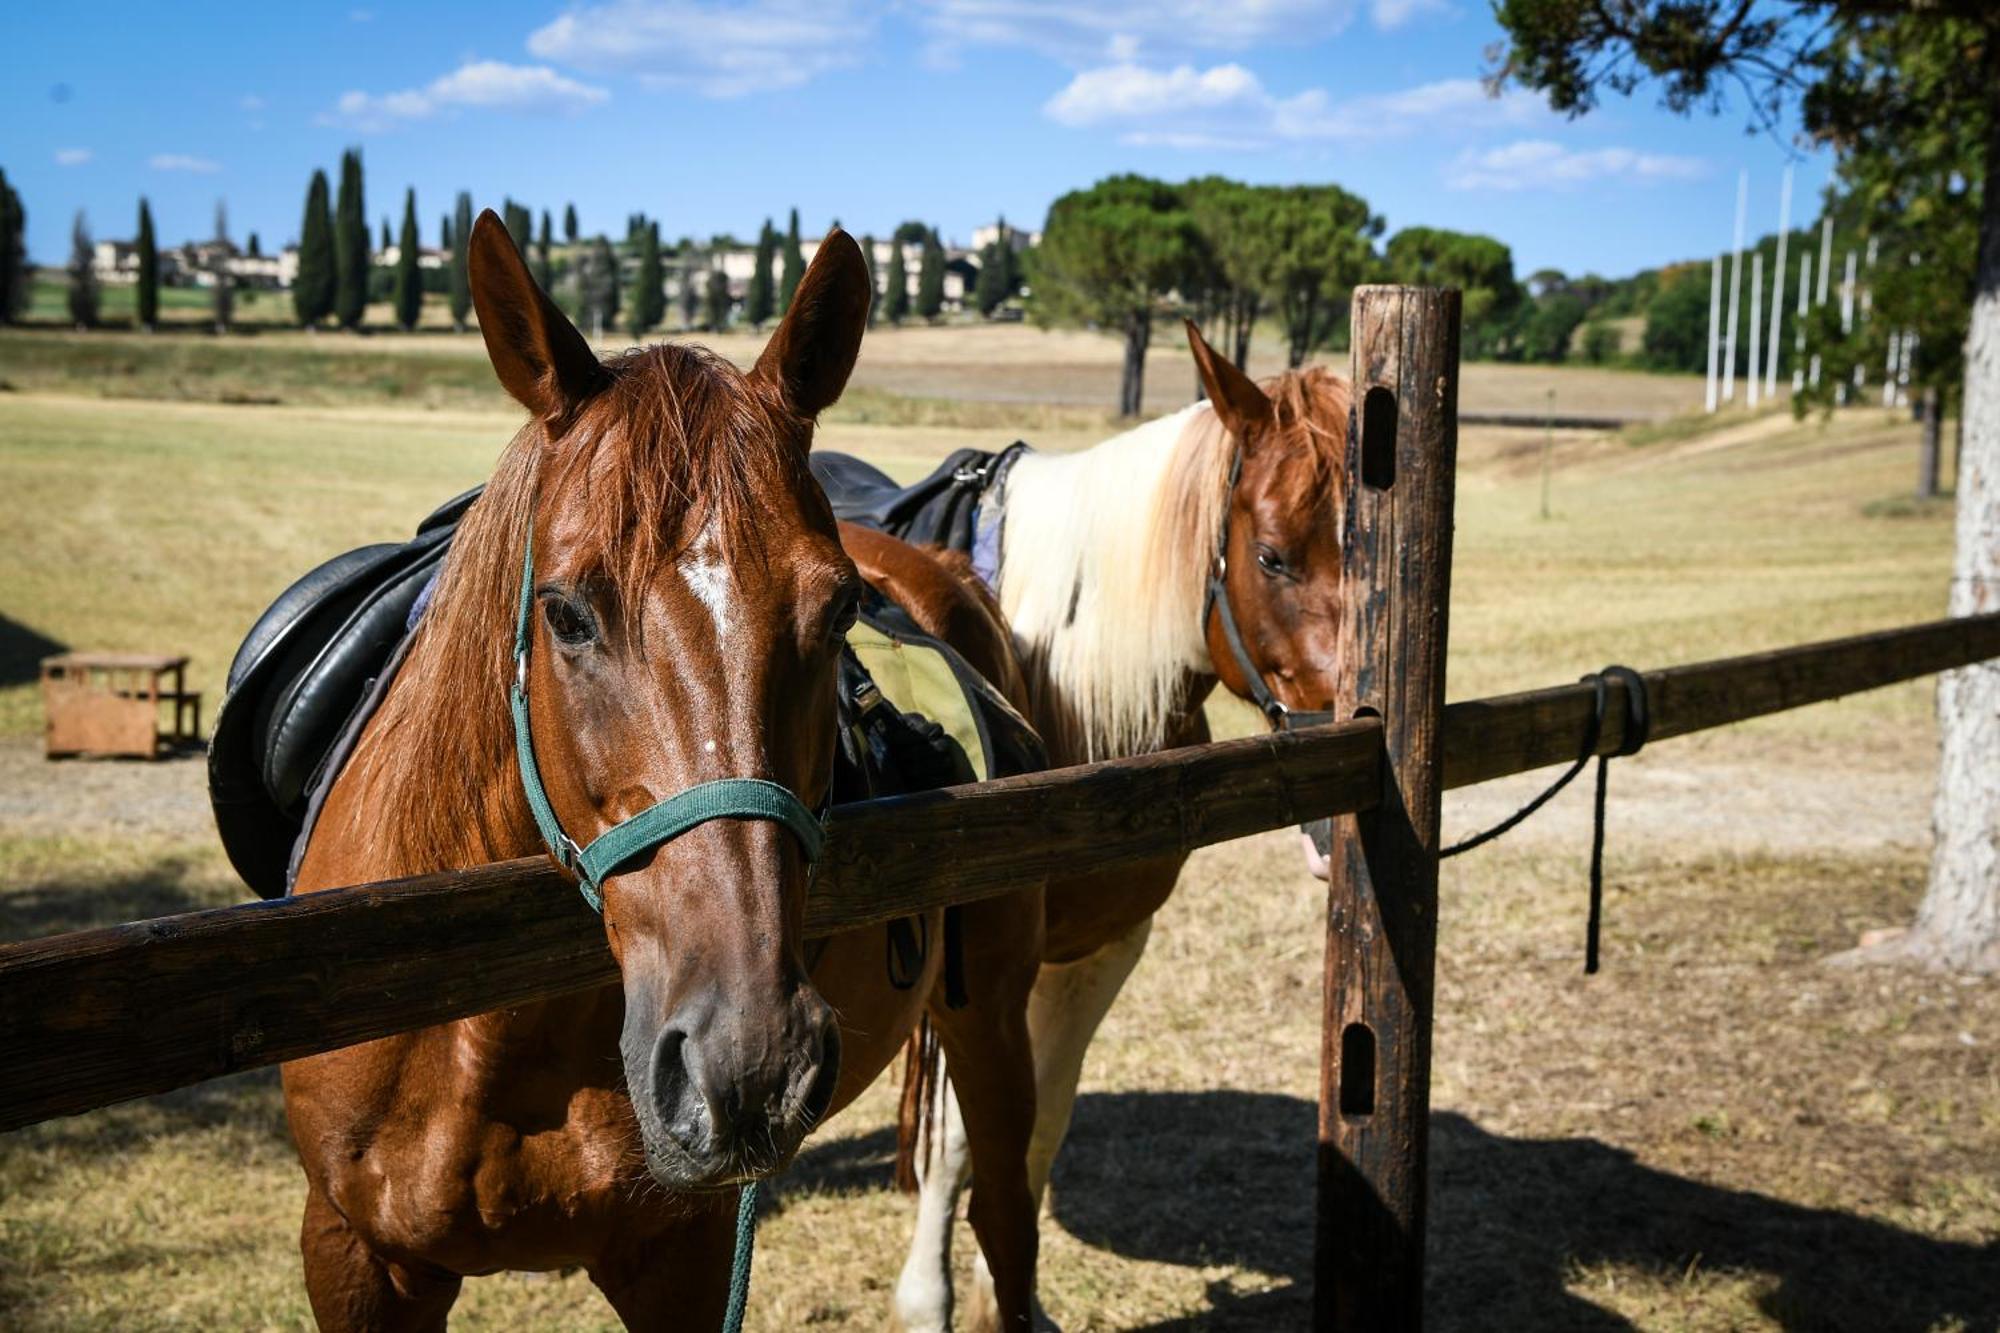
(539,356)
(1237,400)
(808,359)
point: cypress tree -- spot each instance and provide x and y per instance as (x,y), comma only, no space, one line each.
(603,296)
(716,307)
(896,300)
(461,280)
(930,278)
(569,224)
(759,298)
(691,292)
(13,254)
(386,241)
(520,224)
(251,247)
(149,270)
(545,267)
(312,285)
(444,232)
(350,244)
(409,282)
(82,276)
(874,286)
(225,281)
(795,265)
(649,300)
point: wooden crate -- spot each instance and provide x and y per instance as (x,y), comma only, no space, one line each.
(125,704)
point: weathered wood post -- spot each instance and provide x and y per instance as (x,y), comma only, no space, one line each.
(1381,924)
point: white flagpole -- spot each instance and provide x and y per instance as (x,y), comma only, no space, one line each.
(1799,323)
(1846,316)
(1778,288)
(1735,290)
(1714,328)
(1756,326)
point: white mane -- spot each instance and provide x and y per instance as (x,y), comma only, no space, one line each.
(1102,573)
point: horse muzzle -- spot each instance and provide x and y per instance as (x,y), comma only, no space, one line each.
(718,1104)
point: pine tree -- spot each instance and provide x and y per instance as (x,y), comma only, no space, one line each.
(350,244)
(874,285)
(896,300)
(82,276)
(218,266)
(545,266)
(997,274)
(930,278)
(409,282)
(759,298)
(795,265)
(569,224)
(716,307)
(149,269)
(461,279)
(649,299)
(312,285)
(13,253)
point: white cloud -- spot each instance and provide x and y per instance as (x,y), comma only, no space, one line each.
(714,49)
(73,157)
(1227,106)
(479,84)
(1538,164)
(183,162)
(1080,31)
(1391,14)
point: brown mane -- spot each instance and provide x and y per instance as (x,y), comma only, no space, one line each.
(667,445)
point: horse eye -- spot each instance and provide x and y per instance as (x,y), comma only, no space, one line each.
(846,610)
(1270,561)
(568,622)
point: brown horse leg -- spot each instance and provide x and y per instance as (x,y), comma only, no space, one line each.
(992,1068)
(352,1287)
(677,1278)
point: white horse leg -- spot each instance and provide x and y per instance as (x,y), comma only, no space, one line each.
(923,1291)
(1069,1002)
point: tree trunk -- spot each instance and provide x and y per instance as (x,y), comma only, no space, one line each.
(1928,454)
(1132,385)
(1958,922)
(1246,319)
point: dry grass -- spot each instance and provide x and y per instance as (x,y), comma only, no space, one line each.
(1718,1132)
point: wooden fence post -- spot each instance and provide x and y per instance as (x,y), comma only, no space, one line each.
(1381,925)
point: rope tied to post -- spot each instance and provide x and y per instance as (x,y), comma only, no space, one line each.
(1638,726)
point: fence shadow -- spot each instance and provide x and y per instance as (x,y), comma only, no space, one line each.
(22,650)
(55,906)
(1226,1178)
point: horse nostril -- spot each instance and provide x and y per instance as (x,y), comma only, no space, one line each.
(677,1091)
(825,1078)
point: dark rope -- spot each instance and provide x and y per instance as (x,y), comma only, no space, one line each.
(1638,727)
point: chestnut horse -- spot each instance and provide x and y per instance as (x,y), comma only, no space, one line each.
(1122,569)
(681,595)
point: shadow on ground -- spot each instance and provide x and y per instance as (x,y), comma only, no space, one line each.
(55,905)
(22,650)
(1225,1178)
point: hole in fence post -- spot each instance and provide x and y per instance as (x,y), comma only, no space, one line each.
(1357,1070)
(1378,438)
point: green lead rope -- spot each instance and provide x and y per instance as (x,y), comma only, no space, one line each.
(739,1267)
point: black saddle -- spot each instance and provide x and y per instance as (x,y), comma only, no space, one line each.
(941,510)
(316,664)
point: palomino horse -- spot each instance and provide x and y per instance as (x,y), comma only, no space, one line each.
(1124,572)
(657,585)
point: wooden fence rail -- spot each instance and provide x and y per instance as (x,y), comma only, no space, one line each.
(101,1016)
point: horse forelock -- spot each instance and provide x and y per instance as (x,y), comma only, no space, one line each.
(673,448)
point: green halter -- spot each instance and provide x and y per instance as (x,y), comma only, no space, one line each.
(725,798)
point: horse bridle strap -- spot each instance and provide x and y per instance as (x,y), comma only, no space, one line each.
(724,798)
(1217,604)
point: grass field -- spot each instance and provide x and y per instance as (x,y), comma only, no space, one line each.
(1719,1132)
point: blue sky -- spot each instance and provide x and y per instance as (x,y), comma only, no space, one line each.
(712,115)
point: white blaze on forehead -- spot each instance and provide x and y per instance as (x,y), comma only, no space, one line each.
(708,579)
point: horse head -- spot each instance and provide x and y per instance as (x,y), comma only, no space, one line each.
(684,599)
